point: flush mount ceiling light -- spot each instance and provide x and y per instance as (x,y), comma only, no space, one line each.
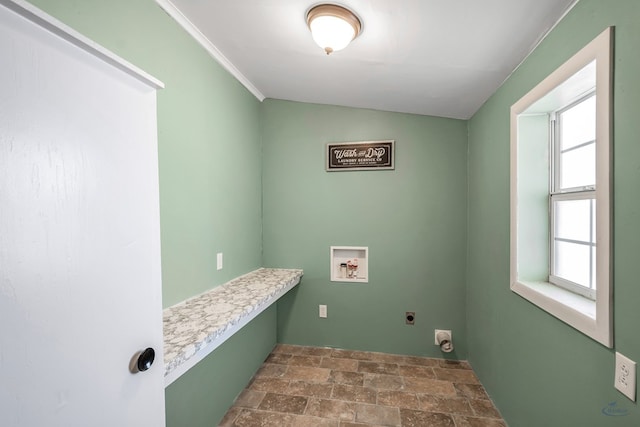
(332,26)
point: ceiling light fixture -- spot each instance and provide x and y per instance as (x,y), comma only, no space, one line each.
(332,26)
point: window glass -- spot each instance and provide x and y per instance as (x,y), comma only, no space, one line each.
(573,219)
(578,167)
(594,282)
(578,124)
(572,204)
(576,140)
(572,262)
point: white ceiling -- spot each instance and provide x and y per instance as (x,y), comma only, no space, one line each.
(441,58)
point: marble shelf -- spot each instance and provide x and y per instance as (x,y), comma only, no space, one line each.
(199,325)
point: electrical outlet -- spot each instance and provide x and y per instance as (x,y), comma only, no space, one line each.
(322,311)
(410,317)
(219,261)
(625,380)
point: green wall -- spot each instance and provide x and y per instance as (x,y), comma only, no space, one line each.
(206,118)
(540,371)
(202,396)
(437,226)
(208,203)
(413,219)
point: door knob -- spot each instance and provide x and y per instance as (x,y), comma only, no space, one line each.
(142,360)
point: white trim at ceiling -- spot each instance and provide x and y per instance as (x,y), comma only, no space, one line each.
(194,32)
(539,42)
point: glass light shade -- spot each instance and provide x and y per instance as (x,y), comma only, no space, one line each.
(331,33)
(332,26)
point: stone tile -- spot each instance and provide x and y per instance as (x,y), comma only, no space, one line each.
(484,408)
(387,358)
(350,424)
(411,418)
(420,361)
(339,364)
(307,373)
(279,358)
(333,409)
(416,371)
(286,348)
(456,375)
(323,387)
(230,417)
(350,354)
(384,382)
(400,399)
(249,398)
(303,388)
(252,418)
(316,351)
(454,364)
(283,403)
(350,378)
(462,421)
(449,405)
(271,370)
(307,421)
(429,386)
(376,414)
(471,391)
(270,385)
(353,393)
(313,361)
(378,368)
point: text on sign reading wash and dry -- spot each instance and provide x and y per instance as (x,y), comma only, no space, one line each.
(360,155)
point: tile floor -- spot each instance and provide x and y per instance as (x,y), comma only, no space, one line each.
(324,387)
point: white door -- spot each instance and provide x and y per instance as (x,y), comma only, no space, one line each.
(80,288)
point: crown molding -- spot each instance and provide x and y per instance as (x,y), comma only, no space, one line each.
(194,32)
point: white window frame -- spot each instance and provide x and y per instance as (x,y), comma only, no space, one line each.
(558,194)
(593,318)
(587,292)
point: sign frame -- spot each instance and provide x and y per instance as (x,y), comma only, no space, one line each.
(360,155)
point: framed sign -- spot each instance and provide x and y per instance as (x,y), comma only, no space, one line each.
(366,155)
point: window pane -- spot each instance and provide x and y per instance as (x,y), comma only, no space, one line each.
(593,268)
(593,222)
(572,262)
(578,124)
(578,167)
(572,219)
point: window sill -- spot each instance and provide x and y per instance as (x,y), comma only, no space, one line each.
(575,302)
(575,310)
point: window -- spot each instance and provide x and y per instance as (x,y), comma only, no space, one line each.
(560,192)
(572,197)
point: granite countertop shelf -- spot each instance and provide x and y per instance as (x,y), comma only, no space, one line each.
(199,325)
